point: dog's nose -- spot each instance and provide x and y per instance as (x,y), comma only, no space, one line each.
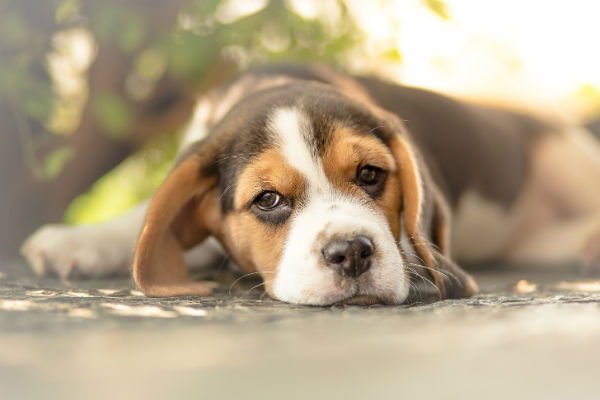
(349,257)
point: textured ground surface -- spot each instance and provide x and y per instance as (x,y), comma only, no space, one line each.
(101,339)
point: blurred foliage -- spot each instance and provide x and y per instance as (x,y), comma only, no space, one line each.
(44,76)
(133,180)
(25,87)
(588,97)
(56,160)
(439,7)
(113,113)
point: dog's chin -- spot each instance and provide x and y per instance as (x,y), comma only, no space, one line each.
(360,300)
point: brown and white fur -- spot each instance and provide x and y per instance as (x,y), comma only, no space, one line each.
(342,189)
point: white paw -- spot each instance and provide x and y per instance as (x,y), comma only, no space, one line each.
(76,251)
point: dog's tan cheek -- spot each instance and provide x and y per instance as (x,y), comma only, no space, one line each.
(254,245)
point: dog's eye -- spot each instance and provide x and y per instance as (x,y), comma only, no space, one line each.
(371,179)
(267,201)
(272,208)
(368,175)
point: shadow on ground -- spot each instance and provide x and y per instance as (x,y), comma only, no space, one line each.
(527,335)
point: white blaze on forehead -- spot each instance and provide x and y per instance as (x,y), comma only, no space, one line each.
(292,129)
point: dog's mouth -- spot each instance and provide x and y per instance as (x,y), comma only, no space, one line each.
(360,300)
(359,291)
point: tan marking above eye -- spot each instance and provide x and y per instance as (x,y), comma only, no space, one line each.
(268,172)
(349,150)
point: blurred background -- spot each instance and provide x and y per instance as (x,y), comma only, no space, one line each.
(94,93)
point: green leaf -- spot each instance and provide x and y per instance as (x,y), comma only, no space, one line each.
(113,113)
(132,34)
(439,7)
(14,29)
(66,11)
(106,23)
(38,104)
(55,162)
(393,55)
(150,64)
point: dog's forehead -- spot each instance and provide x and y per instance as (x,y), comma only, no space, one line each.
(319,108)
(299,120)
(293,134)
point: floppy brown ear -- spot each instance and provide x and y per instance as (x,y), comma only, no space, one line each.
(182,209)
(426,218)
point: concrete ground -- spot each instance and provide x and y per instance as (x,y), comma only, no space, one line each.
(527,335)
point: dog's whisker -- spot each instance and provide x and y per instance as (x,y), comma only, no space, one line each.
(247,292)
(240,278)
(446,274)
(419,240)
(425,280)
(417,274)
(262,295)
(416,289)
(443,273)
(225,191)
(413,255)
(246,156)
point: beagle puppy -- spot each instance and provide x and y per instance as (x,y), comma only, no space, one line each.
(345,189)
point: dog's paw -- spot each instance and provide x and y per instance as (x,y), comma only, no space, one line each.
(75,252)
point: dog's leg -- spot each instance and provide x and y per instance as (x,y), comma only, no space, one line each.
(85,250)
(559,214)
(100,250)
(569,242)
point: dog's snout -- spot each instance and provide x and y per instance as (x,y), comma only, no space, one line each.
(349,257)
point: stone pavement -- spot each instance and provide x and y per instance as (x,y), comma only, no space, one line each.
(528,335)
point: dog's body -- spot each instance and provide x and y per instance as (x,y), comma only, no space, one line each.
(339,189)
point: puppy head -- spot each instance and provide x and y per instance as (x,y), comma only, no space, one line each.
(313,191)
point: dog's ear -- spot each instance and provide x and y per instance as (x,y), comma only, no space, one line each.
(182,213)
(426,218)
(452,281)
